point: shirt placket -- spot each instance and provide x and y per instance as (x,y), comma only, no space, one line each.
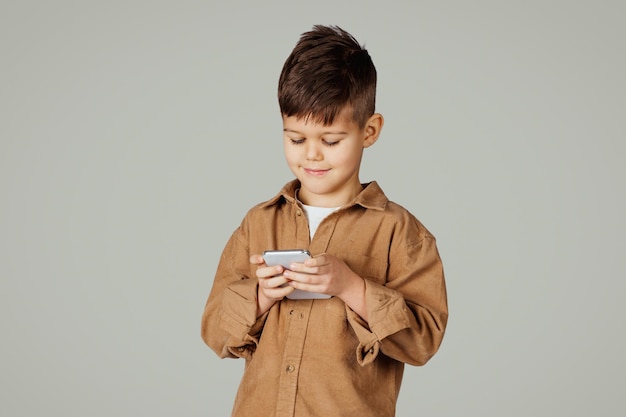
(297,321)
(302,227)
(299,312)
(324,234)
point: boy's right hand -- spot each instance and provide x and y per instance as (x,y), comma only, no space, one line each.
(271,283)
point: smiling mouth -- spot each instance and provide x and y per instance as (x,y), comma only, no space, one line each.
(316,172)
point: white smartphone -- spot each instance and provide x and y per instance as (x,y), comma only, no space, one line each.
(286,257)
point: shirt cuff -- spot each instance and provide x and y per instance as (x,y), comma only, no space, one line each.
(387,313)
(238,317)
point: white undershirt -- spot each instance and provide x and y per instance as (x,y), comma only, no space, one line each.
(315,215)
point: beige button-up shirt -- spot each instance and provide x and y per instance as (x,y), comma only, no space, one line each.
(318,357)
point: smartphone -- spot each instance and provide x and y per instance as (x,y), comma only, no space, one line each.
(286,257)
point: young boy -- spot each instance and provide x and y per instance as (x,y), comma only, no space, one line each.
(376,264)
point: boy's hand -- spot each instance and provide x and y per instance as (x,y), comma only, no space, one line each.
(271,281)
(329,275)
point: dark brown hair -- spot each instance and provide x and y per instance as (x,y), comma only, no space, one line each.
(327,71)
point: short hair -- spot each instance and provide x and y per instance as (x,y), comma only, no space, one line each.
(327,71)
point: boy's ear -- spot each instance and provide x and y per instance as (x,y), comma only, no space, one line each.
(373,126)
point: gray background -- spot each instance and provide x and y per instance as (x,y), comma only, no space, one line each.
(135,135)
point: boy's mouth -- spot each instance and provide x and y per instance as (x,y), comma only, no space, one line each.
(316,172)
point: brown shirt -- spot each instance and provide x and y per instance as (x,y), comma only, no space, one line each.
(318,357)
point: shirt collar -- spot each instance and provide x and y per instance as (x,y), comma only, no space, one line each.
(372,196)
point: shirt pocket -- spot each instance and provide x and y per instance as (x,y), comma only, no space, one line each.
(368,267)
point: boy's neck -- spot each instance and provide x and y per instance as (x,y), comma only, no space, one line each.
(328,200)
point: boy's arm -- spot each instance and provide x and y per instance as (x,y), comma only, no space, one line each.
(229,323)
(406,318)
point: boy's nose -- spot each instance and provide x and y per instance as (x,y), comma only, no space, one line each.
(313,151)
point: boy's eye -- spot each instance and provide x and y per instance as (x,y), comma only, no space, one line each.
(324,141)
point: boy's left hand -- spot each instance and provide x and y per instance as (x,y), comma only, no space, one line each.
(325,274)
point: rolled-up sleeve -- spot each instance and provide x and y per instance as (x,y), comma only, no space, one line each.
(229,323)
(387,314)
(407,316)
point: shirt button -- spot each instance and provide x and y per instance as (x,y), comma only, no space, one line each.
(290,368)
(299,213)
(301,315)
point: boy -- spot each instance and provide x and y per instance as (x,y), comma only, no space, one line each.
(377,265)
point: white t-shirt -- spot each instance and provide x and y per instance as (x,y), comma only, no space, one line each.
(315,215)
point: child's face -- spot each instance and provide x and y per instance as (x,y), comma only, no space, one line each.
(326,159)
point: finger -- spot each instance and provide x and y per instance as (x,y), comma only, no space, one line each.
(257,259)
(279,292)
(297,266)
(269,271)
(276,287)
(273,282)
(319,260)
(305,268)
(306,286)
(301,277)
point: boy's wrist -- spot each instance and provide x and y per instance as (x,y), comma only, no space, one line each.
(353,295)
(263,303)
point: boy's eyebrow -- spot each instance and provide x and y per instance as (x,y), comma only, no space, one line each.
(323,133)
